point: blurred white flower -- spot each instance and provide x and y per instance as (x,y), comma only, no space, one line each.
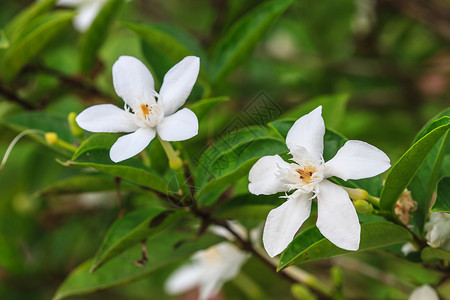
(143,116)
(438,230)
(306,176)
(208,271)
(87,11)
(425,292)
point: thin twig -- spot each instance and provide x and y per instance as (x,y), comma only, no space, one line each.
(144,258)
(117,181)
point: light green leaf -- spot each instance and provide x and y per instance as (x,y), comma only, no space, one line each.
(442,203)
(4,42)
(202,107)
(233,156)
(133,228)
(93,38)
(17,25)
(243,36)
(406,167)
(310,245)
(121,270)
(429,254)
(33,40)
(333,109)
(94,152)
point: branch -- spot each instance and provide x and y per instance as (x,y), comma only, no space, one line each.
(11,96)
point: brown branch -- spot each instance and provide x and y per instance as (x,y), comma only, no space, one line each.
(117,181)
(12,97)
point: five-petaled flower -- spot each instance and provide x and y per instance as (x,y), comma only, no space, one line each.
(143,115)
(208,271)
(307,177)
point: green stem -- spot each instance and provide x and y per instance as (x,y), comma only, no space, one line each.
(175,161)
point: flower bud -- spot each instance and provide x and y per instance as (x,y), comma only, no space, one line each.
(51,138)
(175,163)
(357,194)
(73,125)
(363,207)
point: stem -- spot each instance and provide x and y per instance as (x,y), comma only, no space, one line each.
(117,181)
(175,162)
(14,142)
(11,96)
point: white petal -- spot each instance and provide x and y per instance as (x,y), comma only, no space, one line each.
(425,292)
(284,221)
(357,160)
(337,219)
(308,132)
(263,176)
(180,126)
(106,118)
(131,144)
(133,82)
(184,279)
(178,83)
(87,12)
(69,2)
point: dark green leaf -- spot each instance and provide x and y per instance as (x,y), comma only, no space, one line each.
(133,228)
(121,270)
(202,107)
(93,38)
(243,36)
(333,109)
(406,167)
(35,37)
(94,152)
(43,121)
(442,203)
(435,122)
(249,206)
(233,156)
(310,245)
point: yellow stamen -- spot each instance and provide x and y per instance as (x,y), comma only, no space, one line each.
(146,110)
(305,174)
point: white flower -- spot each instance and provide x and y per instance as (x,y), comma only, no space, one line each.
(425,292)
(143,115)
(438,230)
(306,176)
(209,270)
(87,12)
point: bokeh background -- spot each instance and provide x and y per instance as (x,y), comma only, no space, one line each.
(389,58)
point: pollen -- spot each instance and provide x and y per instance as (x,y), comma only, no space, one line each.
(305,174)
(146,110)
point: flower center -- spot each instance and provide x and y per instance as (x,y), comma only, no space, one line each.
(305,174)
(149,115)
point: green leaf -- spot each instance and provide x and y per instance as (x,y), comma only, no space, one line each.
(164,46)
(406,167)
(333,109)
(17,25)
(243,36)
(442,203)
(423,185)
(435,122)
(310,245)
(429,254)
(202,107)
(120,270)
(94,152)
(83,184)
(233,156)
(133,228)
(249,206)
(34,38)
(93,38)
(4,42)
(44,121)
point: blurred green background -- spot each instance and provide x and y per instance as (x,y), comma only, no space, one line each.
(392,61)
